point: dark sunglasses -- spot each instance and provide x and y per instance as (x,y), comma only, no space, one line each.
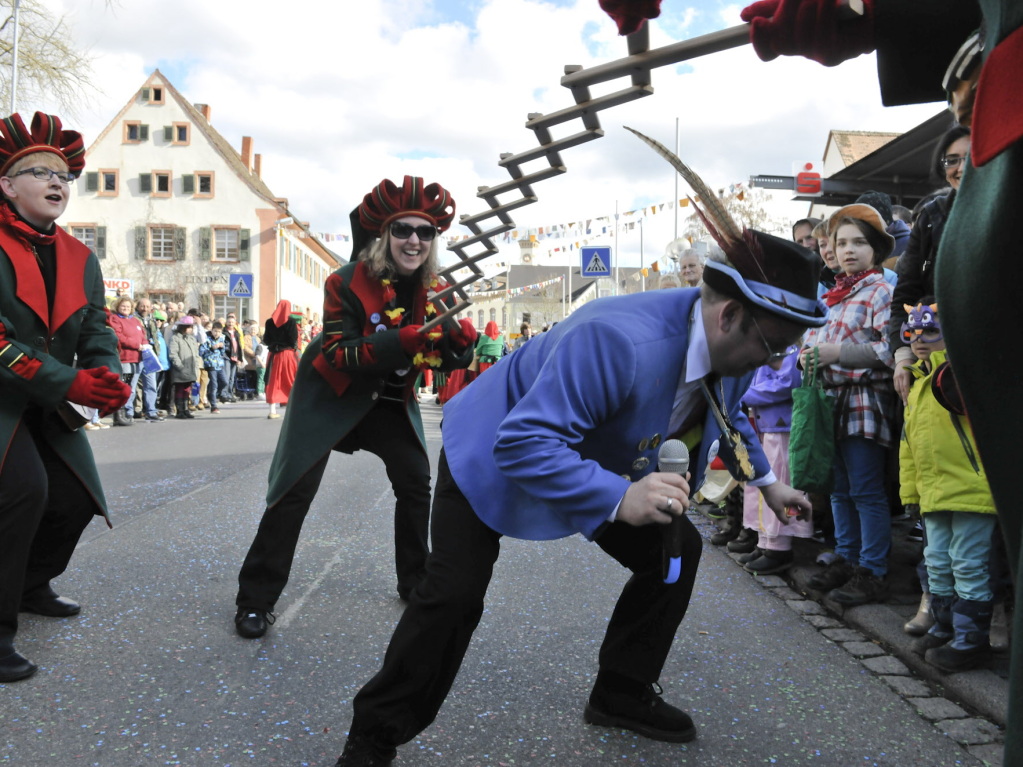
(424,232)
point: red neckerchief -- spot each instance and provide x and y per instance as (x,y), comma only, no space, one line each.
(844,283)
(23,229)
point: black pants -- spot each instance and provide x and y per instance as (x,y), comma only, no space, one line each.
(385,432)
(43,510)
(434,632)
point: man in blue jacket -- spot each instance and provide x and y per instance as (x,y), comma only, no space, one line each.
(561,438)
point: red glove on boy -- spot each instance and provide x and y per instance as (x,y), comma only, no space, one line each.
(98,388)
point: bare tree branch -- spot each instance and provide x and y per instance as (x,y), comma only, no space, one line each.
(50,68)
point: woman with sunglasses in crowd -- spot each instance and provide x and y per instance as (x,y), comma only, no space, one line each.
(355,387)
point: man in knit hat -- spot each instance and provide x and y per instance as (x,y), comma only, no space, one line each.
(562,437)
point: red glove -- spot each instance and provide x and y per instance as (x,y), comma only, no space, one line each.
(463,336)
(629,15)
(810,28)
(412,341)
(98,388)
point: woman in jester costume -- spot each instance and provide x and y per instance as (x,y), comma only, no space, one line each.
(354,389)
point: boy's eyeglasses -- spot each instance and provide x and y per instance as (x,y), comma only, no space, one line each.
(772,356)
(401,231)
(45,174)
(954,160)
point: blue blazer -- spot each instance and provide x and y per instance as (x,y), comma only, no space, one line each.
(545,443)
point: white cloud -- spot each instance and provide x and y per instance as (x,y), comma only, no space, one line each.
(340,95)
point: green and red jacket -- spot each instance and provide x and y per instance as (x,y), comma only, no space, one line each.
(343,372)
(39,342)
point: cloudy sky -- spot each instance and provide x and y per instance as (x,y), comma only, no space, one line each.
(338,95)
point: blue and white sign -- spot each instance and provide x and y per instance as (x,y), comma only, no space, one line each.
(239,285)
(596,261)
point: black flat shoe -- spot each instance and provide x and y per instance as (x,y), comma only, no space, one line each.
(251,623)
(15,667)
(362,752)
(645,713)
(52,606)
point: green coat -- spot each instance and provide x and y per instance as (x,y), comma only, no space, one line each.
(38,344)
(336,389)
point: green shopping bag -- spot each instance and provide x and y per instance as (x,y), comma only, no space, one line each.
(812,438)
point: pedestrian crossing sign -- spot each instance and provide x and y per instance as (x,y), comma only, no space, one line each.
(240,285)
(596,262)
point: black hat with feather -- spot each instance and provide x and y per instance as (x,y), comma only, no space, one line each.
(774,274)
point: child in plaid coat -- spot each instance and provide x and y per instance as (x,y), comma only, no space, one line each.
(856,370)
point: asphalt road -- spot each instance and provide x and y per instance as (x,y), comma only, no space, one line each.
(152,673)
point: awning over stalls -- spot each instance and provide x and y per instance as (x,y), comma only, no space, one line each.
(901,168)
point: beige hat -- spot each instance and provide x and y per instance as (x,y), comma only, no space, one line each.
(869,215)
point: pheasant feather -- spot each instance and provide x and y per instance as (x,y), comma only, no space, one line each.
(720,224)
(742,248)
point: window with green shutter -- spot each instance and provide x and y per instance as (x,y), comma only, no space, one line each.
(146,183)
(180,240)
(143,133)
(140,242)
(205,248)
(92,182)
(168,132)
(243,245)
(188,183)
(101,242)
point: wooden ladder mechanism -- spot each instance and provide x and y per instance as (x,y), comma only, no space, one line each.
(636,66)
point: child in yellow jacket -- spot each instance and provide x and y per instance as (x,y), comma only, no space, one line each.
(940,470)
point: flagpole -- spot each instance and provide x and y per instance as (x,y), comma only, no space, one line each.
(616,249)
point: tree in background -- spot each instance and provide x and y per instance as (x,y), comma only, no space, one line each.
(50,70)
(748,206)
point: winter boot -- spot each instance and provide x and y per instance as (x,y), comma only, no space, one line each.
(121,418)
(864,587)
(970,645)
(745,542)
(836,573)
(181,404)
(999,628)
(919,624)
(731,528)
(941,630)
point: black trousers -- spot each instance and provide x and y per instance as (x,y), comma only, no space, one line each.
(385,432)
(433,634)
(44,508)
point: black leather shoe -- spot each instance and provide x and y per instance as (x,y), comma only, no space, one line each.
(252,623)
(645,713)
(15,667)
(362,752)
(50,605)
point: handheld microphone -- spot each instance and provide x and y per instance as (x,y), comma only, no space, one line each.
(673,458)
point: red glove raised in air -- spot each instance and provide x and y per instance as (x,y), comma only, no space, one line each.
(98,388)
(629,15)
(412,341)
(822,30)
(463,336)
